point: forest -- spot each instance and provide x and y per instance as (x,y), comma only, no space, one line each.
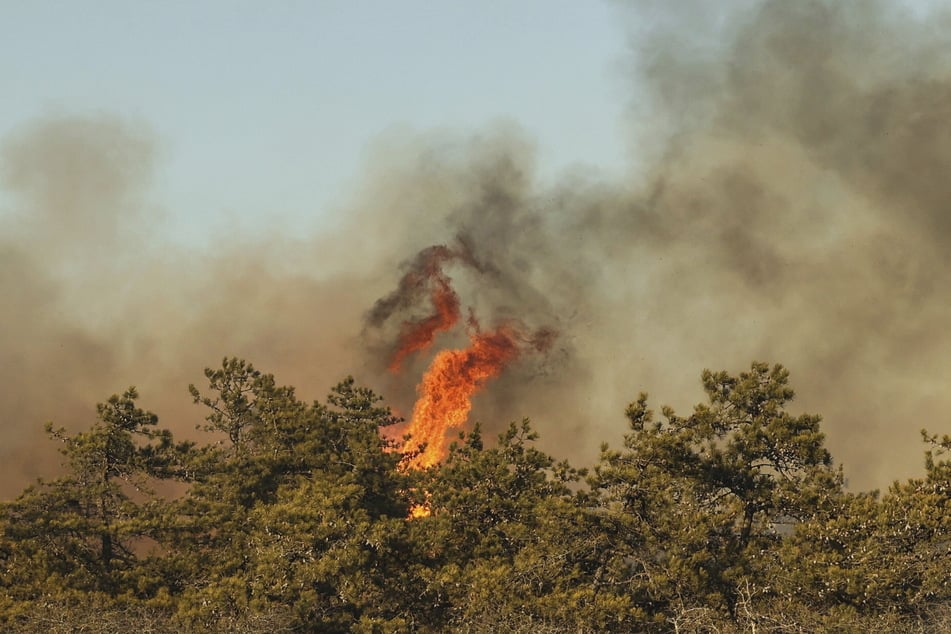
(304,517)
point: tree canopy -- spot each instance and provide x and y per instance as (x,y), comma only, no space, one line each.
(302,517)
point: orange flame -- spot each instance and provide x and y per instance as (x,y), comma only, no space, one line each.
(454,375)
(447,387)
(418,511)
(418,335)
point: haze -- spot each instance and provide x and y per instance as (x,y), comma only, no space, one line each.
(668,189)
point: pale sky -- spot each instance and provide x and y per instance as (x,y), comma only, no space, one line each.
(270,107)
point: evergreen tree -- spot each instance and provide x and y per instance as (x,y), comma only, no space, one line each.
(879,555)
(299,517)
(80,533)
(699,502)
(508,544)
(300,506)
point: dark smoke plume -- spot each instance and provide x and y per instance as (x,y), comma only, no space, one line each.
(787,202)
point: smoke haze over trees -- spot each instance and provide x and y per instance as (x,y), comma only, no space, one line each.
(301,517)
(786,200)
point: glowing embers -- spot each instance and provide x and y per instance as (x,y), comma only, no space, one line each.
(418,511)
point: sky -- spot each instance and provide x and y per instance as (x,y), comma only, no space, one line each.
(264,111)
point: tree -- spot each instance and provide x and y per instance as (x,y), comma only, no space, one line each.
(879,555)
(700,501)
(300,505)
(297,517)
(80,532)
(508,545)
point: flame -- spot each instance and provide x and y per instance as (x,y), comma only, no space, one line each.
(454,376)
(446,390)
(418,511)
(425,278)
(419,334)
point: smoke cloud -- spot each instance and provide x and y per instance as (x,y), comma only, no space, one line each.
(787,202)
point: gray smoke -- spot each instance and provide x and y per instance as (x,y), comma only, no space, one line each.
(788,203)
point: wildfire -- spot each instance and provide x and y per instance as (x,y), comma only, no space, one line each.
(446,390)
(418,511)
(454,376)
(418,335)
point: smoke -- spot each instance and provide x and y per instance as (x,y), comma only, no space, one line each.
(801,213)
(93,302)
(788,203)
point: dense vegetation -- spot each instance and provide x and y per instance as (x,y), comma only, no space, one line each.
(294,517)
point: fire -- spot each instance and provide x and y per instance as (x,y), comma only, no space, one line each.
(418,335)
(446,391)
(424,278)
(418,511)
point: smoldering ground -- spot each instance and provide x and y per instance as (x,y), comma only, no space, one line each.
(787,201)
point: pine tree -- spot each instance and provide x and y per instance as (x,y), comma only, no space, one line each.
(700,501)
(83,533)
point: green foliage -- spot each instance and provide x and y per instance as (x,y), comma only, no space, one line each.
(878,555)
(295,517)
(509,544)
(300,505)
(80,531)
(700,501)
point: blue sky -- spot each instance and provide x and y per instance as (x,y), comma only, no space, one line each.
(270,108)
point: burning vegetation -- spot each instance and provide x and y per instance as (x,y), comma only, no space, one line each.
(791,205)
(454,376)
(294,518)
